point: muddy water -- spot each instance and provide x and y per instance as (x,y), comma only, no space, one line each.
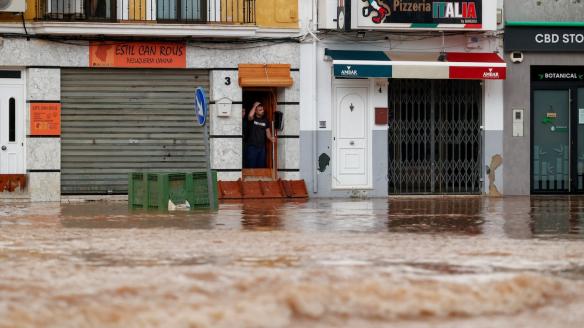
(449,262)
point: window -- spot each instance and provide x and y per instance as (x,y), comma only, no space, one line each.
(9,74)
(182,10)
(11,120)
(100,9)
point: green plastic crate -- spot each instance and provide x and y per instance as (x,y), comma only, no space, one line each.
(162,187)
(199,195)
(179,187)
(153,190)
(137,190)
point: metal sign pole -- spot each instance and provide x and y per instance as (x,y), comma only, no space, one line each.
(209,176)
(202,112)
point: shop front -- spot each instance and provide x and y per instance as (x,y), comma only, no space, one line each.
(433,112)
(131,110)
(557,158)
(74,126)
(407,99)
(545,110)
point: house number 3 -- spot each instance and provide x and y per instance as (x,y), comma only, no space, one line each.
(228,81)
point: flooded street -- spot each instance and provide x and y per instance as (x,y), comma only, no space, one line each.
(407,262)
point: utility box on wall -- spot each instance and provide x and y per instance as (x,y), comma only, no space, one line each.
(517,122)
(381,115)
(224,107)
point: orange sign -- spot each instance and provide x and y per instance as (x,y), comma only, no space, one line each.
(45,119)
(138,54)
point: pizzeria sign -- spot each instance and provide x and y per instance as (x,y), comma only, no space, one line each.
(428,14)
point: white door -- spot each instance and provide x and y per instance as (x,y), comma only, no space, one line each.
(11,129)
(351,138)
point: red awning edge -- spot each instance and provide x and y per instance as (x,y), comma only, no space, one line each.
(482,66)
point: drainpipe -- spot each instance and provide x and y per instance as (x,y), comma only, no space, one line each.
(315,99)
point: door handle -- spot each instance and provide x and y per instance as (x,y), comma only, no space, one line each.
(352,143)
(3,147)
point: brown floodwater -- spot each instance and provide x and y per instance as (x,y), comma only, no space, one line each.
(404,262)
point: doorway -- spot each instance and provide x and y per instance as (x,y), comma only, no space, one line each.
(12,128)
(557,152)
(267,97)
(352,164)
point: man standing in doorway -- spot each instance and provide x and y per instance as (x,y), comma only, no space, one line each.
(257,131)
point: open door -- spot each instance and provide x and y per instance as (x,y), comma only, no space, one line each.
(267,96)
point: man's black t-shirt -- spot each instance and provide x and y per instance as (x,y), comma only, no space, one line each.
(256,132)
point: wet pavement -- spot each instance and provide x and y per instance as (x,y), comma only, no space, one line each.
(404,262)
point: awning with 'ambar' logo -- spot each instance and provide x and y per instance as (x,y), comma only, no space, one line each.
(418,65)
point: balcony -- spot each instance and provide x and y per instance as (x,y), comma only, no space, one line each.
(221,12)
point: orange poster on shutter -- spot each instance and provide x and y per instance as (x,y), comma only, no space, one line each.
(45,119)
(138,54)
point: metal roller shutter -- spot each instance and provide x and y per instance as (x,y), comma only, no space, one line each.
(435,136)
(122,120)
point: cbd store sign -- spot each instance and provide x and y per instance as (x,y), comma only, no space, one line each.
(544,39)
(426,14)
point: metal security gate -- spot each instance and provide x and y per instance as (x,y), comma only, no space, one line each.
(434,137)
(122,120)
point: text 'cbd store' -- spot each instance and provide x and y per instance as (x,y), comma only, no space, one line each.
(409,101)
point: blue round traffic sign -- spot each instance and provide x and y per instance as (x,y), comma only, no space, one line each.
(201,108)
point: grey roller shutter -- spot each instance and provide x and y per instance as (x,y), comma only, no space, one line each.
(122,120)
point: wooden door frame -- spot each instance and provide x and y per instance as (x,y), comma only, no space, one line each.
(270,105)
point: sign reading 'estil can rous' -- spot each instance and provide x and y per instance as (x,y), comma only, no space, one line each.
(421,13)
(137,54)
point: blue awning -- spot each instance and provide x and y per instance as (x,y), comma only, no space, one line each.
(362,64)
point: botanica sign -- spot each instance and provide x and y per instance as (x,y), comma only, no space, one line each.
(421,13)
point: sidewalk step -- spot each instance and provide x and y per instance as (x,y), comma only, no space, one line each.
(12,182)
(262,189)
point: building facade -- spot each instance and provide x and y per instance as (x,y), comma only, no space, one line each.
(544,97)
(403,98)
(93,90)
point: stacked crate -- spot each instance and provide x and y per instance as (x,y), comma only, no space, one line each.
(153,190)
